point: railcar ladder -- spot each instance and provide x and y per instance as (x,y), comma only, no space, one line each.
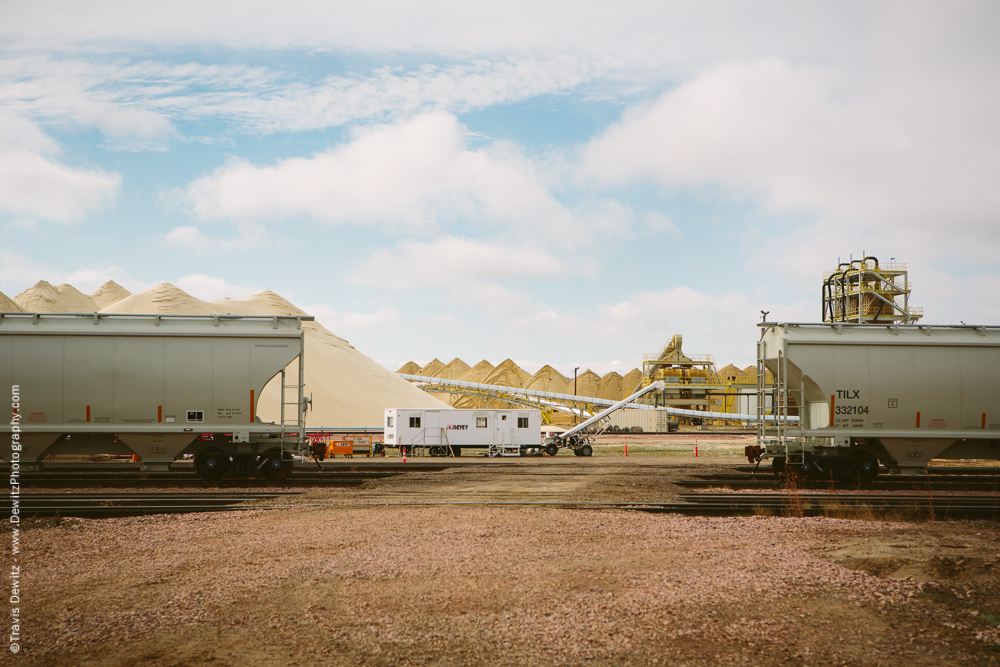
(298,424)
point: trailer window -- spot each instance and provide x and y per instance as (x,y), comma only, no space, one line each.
(522,422)
(388,421)
(414,422)
(195,416)
(481,422)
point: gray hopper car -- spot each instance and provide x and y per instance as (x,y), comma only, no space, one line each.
(898,394)
(154,386)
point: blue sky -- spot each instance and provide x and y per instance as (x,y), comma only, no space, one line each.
(568,183)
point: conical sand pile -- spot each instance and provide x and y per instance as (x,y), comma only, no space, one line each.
(507,374)
(548,379)
(109,293)
(432,368)
(164,299)
(610,387)
(266,303)
(478,372)
(456,369)
(44,298)
(588,383)
(630,382)
(8,305)
(749,375)
(410,368)
(730,373)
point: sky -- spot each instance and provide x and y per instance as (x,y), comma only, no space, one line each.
(564,183)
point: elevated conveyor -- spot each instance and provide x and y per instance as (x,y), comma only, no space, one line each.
(533,398)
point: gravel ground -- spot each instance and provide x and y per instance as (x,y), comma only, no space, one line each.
(349,584)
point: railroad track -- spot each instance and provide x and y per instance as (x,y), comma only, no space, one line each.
(826,504)
(986,471)
(345,475)
(104,505)
(748,504)
(930,482)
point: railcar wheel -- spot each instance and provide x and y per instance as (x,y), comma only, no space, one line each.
(457,451)
(437,451)
(551,449)
(778,465)
(586,450)
(865,466)
(274,467)
(808,469)
(210,464)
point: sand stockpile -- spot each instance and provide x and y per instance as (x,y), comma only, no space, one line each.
(164,299)
(548,379)
(432,368)
(348,388)
(410,368)
(611,387)
(588,383)
(44,298)
(455,370)
(8,305)
(729,373)
(630,382)
(478,372)
(109,293)
(508,374)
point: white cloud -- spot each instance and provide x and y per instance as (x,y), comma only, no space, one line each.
(722,325)
(32,184)
(455,263)
(211,288)
(416,174)
(346,323)
(136,104)
(18,273)
(626,29)
(802,138)
(191,238)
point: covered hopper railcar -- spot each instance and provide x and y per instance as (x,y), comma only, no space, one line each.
(896,394)
(156,386)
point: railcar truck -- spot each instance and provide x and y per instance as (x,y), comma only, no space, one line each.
(155,386)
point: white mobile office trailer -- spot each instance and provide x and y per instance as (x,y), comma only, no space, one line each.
(450,432)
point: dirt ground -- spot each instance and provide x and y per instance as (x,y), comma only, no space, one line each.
(372,576)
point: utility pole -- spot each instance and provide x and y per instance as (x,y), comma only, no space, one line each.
(576,415)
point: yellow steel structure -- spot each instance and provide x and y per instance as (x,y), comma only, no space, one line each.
(689,380)
(865,292)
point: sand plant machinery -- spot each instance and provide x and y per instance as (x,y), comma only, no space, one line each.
(863,291)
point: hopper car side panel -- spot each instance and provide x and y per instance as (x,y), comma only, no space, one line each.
(904,394)
(148,385)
